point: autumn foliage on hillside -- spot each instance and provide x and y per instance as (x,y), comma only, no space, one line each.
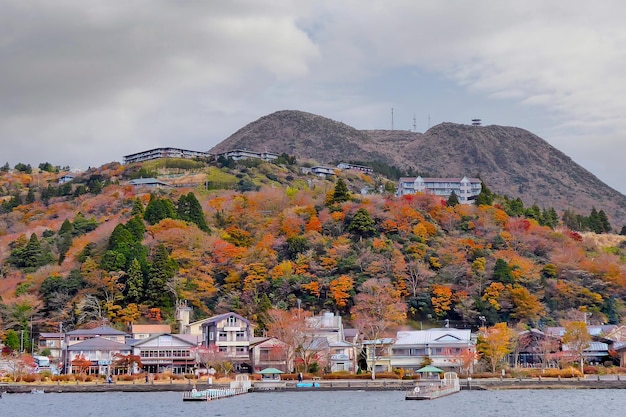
(108,251)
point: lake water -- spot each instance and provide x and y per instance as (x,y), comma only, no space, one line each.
(510,403)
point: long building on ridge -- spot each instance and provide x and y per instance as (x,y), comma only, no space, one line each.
(466,189)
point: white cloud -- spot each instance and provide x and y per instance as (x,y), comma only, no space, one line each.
(85,82)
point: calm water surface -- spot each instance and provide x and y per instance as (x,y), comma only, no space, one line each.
(511,403)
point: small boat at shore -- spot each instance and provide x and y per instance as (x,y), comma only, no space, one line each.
(431,389)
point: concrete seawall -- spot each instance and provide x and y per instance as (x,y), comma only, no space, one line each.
(324,385)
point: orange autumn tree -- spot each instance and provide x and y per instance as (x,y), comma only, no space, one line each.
(340,289)
(313,225)
(313,287)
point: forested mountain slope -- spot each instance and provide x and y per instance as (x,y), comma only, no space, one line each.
(103,250)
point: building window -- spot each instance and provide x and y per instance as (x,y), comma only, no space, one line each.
(232,321)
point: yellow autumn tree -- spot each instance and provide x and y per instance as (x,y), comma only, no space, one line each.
(494,343)
(441,300)
(492,294)
(527,308)
(256,275)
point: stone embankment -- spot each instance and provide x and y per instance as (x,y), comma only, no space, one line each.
(590,382)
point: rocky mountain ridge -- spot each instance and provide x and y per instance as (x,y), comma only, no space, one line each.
(512,161)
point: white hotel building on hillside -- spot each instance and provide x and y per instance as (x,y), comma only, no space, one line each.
(466,189)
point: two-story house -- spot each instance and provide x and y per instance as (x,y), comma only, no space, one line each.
(442,346)
(54,343)
(98,345)
(167,352)
(231,334)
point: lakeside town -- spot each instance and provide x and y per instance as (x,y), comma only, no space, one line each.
(296,341)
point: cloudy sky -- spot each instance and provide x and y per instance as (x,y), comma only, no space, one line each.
(85,82)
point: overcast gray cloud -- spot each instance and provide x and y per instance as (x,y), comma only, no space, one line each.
(84,82)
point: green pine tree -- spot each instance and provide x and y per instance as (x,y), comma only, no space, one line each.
(134,283)
(502,272)
(136,228)
(137,208)
(30,196)
(485,197)
(161,272)
(341,193)
(603,219)
(593,221)
(159,209)
(453,200)
(32,257)
(66,228)
(362,224)
(189,209)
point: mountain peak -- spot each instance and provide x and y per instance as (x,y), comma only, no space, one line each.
(511,160)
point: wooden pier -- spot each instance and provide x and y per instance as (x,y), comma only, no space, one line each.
(240,386)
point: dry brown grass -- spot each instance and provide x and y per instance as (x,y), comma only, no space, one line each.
(602,240)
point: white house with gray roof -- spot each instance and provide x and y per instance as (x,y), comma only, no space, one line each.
(466,189)
(442,346)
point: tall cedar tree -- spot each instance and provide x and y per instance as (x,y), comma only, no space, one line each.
(159,209)
(134,283)
(189,209)
(33,254)
(161,271)
(137,208)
